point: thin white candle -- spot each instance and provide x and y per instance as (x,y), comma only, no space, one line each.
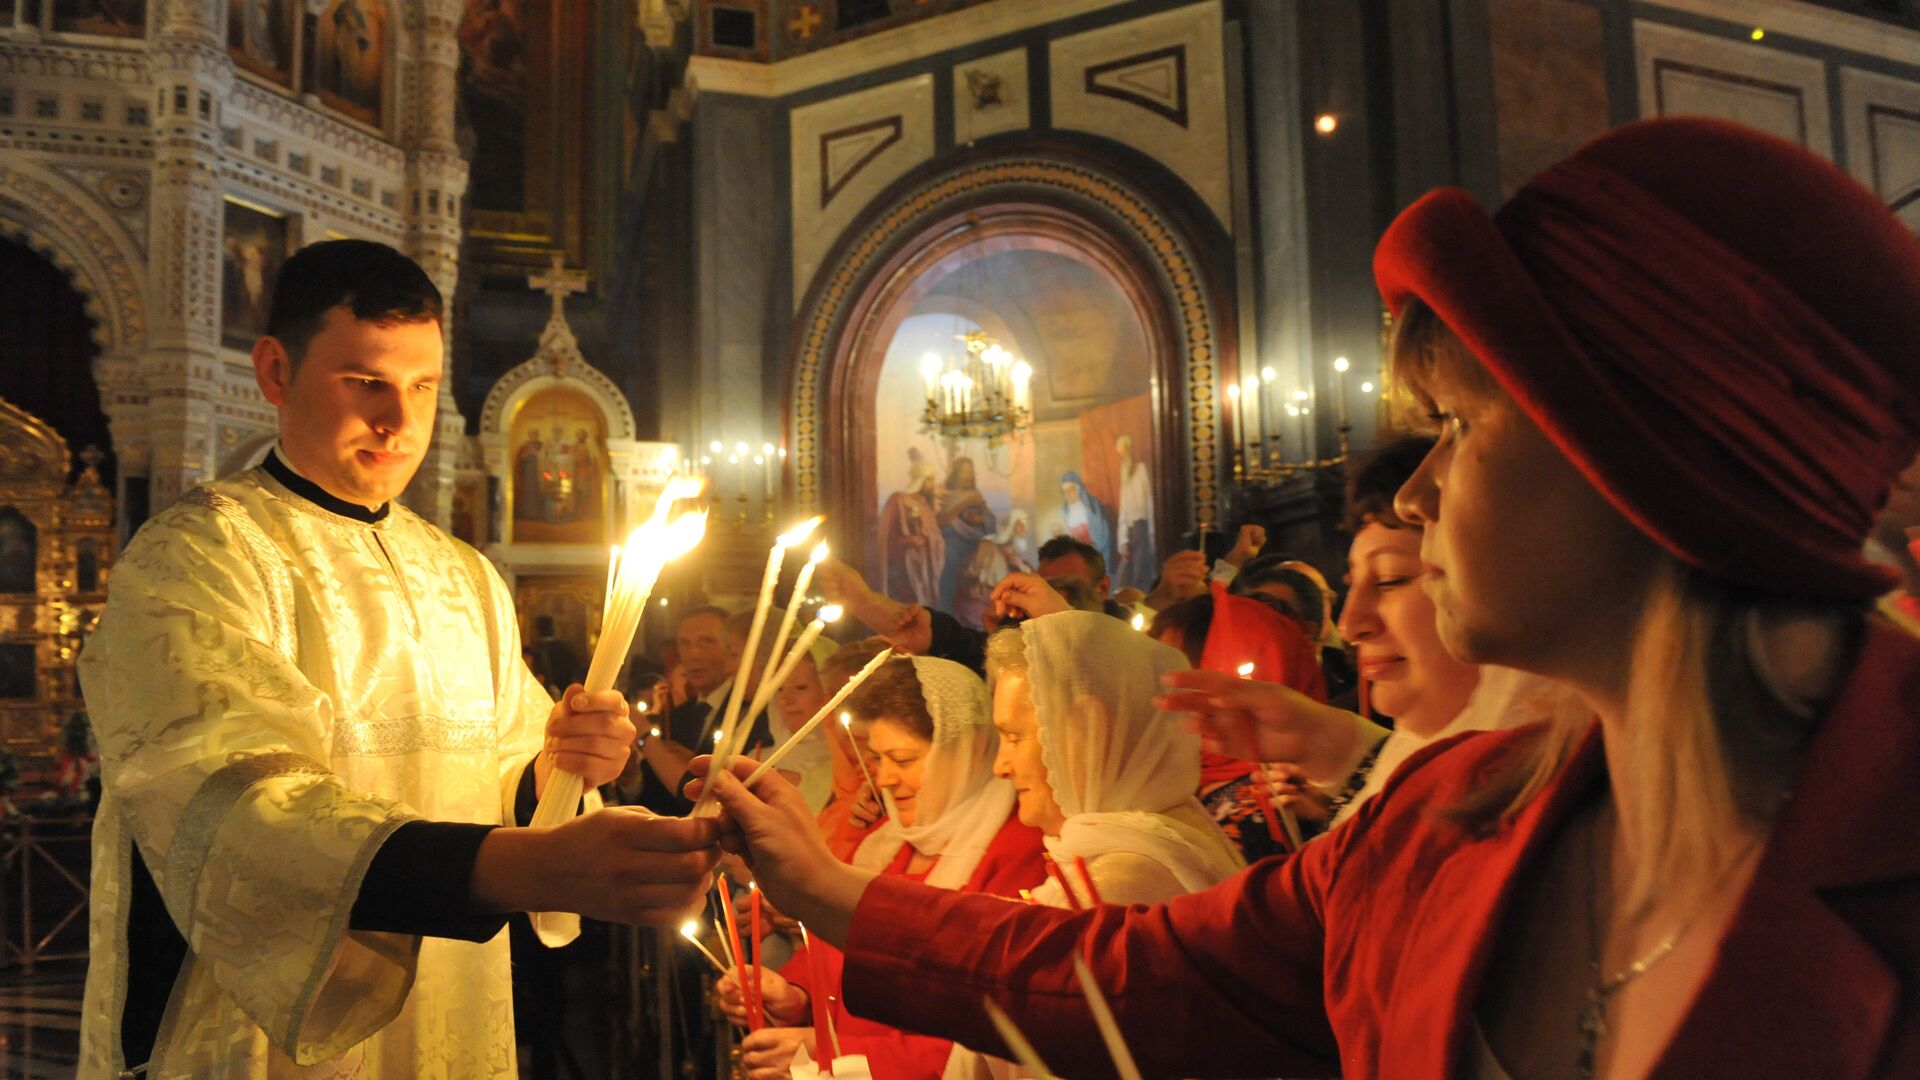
(771,682)
(776,558)
(846,721)
(1340,366)
(1123,1062)
(691,931)
(826,710)
(776,656)
(647,551)
(1023,1051)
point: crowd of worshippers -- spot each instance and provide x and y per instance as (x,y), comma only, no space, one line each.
(986,758)
(1674,395)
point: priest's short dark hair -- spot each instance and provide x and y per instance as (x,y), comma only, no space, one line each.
(375,282)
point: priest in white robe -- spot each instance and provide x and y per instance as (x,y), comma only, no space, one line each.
(317,737)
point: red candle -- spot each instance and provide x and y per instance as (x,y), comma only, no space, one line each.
(747,989)
(1060,879)
(759,1005)
(817,994)
(1086,878)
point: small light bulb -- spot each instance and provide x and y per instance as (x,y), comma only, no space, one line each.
(1758,34)
(1267,374)
(715,446)
(740,448)
(1299,395)
(766,448)
(1326,123)
(653,733)
(1366,388)
(1340,364)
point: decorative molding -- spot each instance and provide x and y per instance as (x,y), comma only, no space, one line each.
(1156,81)
(1170,64)
(901,45)
(1883,138)
(1810,22)
(63,222)
(845,152)
(826,320)
(1686,73)
(886,130)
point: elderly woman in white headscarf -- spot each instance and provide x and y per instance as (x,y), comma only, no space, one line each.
(1109,778)
(950,823)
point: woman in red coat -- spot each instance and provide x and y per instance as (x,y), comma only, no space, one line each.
(951,823)
(1674,379)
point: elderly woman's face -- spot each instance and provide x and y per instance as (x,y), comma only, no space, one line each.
(1018,758)
(1527,564)
(902,765)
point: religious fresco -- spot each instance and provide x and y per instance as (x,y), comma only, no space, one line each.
(558,464)
(260,37)
(253,246)
(350,51)
(955,516)
(493,100)
(113,18)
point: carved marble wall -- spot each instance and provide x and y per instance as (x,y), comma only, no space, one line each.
(122,154)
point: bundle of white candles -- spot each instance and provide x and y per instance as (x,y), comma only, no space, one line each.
(631,577)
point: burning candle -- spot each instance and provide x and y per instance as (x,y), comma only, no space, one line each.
(1340,366)
(691,931)
(823,1032)
(826,710)
(771,681)
(753,906)
(749,991)
(647,551)
(846,721)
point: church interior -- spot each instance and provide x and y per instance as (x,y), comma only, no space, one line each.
(1002,270)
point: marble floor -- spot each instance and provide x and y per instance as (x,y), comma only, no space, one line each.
(40,1021)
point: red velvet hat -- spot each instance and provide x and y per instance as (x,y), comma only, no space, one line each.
(1717,327)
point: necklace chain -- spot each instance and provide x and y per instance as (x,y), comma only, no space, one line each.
(1593,1015)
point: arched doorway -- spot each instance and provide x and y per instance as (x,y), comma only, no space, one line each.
(1099,282)
(48,340)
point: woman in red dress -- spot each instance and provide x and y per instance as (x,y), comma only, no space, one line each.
(951,823)
(1674,379)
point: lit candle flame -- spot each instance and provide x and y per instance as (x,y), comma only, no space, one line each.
(1246,670)
(797,535)
(830,614)
(820,553)
(1139,622)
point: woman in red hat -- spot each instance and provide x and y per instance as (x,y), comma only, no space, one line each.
(1674,379)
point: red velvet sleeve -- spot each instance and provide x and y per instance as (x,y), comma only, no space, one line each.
(1226,982)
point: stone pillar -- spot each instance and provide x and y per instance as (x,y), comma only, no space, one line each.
(191,76)
(436,183)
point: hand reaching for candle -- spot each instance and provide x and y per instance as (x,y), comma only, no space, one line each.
(787,1005)
(776,832)
(1289,788)
(1258,721)
(767,1054)
(868,808)
(622,864)
(589,735)
(1026,596)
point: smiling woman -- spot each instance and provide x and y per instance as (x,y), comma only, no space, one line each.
(352,359)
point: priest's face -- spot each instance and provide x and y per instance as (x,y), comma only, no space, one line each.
(902,764)
(1018,758)
(357,410)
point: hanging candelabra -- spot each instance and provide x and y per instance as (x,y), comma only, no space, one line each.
(983,393)
(1265,418)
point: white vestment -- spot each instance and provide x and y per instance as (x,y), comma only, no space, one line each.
(275,689)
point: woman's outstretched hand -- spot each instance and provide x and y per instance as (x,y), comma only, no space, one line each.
(1258,721)
(772,828)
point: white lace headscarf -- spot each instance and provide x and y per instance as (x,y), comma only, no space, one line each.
(962,805)
(1123,771)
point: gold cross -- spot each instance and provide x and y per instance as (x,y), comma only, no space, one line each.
(804,22)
